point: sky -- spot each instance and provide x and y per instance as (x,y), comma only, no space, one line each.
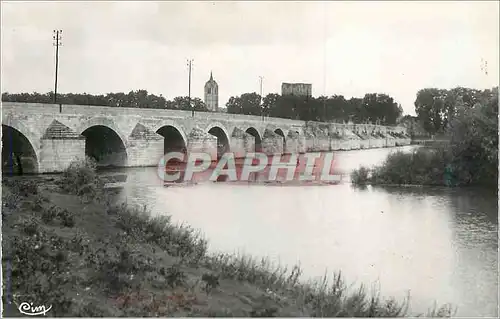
(344,48)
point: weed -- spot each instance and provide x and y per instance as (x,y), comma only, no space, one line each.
(91,309)
(175,277)
(211,281)
(264,312)
(27,188)
(67,218)
(214,313)
(48,215)
(30,226)
(41,268)
(37,204)
(11,200)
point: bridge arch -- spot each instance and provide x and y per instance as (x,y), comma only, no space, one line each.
(104,142)
(223,138)
(280,133)
(19,155)
(174,138)
(258,139)
(23,129)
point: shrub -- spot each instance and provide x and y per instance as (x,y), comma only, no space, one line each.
(81,179)
(41,268)
(23,188)
(264,312)
(48,215)
(11,200)
(37,203)
(360,176)
(211,281)
(178,240)
(67,218)
(30,226)
(175,277)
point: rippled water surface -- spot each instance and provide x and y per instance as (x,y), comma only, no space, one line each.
(437,243)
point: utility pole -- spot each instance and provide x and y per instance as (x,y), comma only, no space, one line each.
(190,61)
(57,42)
(261,108)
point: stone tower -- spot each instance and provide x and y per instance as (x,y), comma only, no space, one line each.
(212,94)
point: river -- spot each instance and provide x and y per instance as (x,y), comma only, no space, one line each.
(438,244)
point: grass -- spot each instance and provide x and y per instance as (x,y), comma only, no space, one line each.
(96,258)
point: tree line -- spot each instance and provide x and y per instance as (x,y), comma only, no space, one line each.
(436,108)
(137,99)
(372,108)
(468,118)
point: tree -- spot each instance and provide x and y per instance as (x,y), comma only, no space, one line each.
(337,109)
(247,103)
(269,103)
(474,138)
(380,108)
(182,103)
(436,108)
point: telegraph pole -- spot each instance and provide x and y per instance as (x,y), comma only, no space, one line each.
(57,42)
(261,108)
(190,61)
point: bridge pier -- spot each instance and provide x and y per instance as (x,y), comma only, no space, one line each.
(272,143)
(57,154)
(199,141)
(364,142)
(335,143)
(144,152)
(292,143)
(241,143)
(59,146)
(390,141)
(144,147)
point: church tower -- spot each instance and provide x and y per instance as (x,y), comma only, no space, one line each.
(212,94)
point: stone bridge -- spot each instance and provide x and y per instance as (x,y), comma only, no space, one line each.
(47,137)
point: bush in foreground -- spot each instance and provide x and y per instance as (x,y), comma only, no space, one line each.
(81,179)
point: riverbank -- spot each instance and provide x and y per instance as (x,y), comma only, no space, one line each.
(86,256)
(437,166)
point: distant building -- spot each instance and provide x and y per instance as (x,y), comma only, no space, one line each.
(212,94)
(299,89)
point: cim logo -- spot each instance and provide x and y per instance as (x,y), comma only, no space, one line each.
(30,310)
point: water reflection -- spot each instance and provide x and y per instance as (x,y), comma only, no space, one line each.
(440,244)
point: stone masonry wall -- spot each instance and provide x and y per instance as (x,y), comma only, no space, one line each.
(47,125)
(55,155)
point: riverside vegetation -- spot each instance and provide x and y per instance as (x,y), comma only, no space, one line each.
(469,158)
(68,244)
